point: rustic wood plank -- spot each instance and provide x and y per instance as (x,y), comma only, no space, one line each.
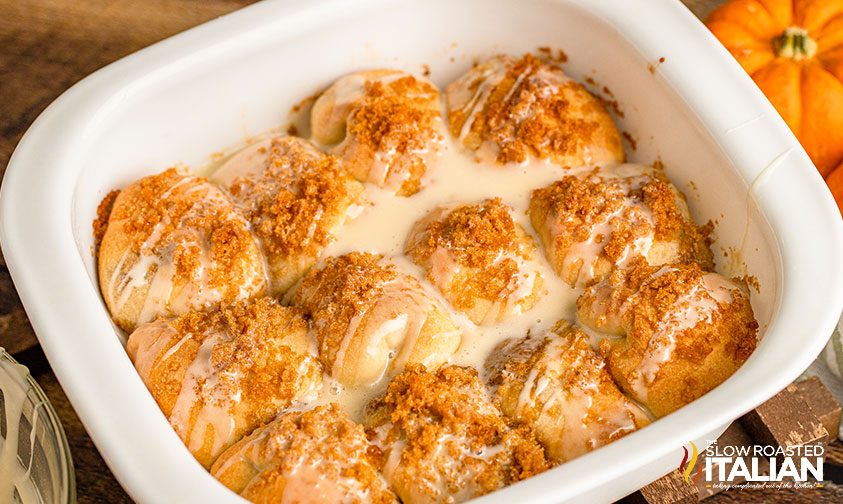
(785,420)
(821,403)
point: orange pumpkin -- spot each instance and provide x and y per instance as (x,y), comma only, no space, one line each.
(793,49)
(835,183)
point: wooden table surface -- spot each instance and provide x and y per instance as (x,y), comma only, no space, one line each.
(45,47)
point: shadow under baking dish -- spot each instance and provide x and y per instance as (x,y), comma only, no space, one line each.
(216,86)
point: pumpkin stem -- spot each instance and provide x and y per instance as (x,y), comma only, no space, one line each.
(795,44)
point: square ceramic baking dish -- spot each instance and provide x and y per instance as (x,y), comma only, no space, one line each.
(684,100)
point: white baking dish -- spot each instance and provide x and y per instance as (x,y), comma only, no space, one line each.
(211,87)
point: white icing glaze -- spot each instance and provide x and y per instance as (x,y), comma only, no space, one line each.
(199,390)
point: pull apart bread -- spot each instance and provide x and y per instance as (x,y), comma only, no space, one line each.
(218,375)
(385,125)
(680,331)
(594,223)
(371,320)
(513,110)
(296,199)
(175,243)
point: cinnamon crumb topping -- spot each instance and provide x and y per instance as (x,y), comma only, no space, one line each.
(686,330)
(260,357)
(340,289)
(237,366)
(617,213)
(350,282)
(446,423)
(185,217)
(284,460)
(474,234)
(298,200)
(528,108)
(395,116)
(384,125)
(580,408)
(485,249)
(103,213)
(657,296)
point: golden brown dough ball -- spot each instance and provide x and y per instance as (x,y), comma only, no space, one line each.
(317,456)
(684,331)
(517,109)
(371,319)
(175,243)
(479,258)
(385,125)
(597,222)
(296,198)
(218,375)
(555,382)
(444,441)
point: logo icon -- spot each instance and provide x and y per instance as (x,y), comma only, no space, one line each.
(687,466)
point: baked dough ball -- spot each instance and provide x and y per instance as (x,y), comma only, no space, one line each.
(296,198)
(555,382)
(516,109)
(371,319)
(479,258)
(218,375)
(175,243)
(684,331)
(444,441)
(599,221)
(385,125)
(317,456)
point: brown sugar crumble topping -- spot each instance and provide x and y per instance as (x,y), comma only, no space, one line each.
(397,115)
(527,113)
(323,441)
(187,215)
(445,421)
(100,224)
(340,289)
(475,234)
(295,203)
(576,376)
(483,237)
(261,356)
(576,205)
(392,133)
